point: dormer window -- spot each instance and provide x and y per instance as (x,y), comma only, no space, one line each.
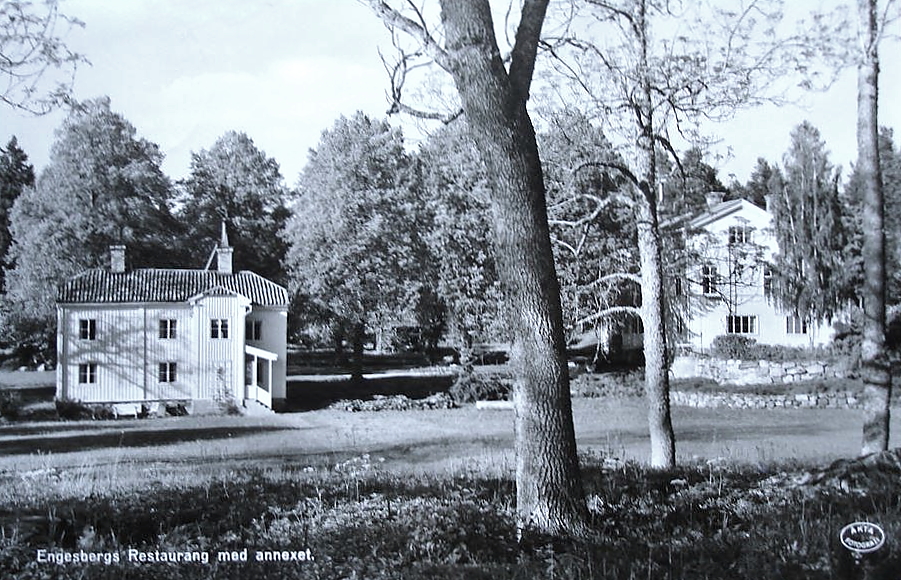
(739,235)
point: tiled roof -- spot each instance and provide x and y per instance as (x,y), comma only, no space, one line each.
(153,285)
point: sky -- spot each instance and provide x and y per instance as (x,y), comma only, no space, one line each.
(185,72)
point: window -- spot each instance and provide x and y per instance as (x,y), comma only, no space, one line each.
(708,279)
(739,235)
(254,330)
(795,325)
(219,328)
(168,328)
(87,329)
(632,325)
(167,372)
(741,324)
(767,280)
(87,374)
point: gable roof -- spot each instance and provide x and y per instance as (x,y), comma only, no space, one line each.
(722,210)
(101,286)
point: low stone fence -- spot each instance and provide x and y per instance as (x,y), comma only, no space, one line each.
(745,372)
(839,400)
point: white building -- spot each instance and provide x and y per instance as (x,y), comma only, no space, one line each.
(728,289)
(148,335)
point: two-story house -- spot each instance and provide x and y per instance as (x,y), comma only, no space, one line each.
(730,285)
(155,335)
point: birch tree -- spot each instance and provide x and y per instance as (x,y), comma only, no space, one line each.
(876,373)
(493,92)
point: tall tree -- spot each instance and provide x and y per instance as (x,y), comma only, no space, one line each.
(757,188)
(456,190)
(103,185)
(352,238)
(592,226)
(236,183)
(31,45)
(877,376)
(493,95)
(15,175)
(809,274)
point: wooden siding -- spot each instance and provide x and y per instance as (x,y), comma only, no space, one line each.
(221,360)
(127,352)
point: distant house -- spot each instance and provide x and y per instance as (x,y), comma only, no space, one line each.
(154,335)
(729,287)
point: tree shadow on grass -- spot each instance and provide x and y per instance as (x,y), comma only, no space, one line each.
(127,438)
(311,395)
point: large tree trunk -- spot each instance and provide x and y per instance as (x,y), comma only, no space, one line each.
(876,369)
(656,374)
(550,497)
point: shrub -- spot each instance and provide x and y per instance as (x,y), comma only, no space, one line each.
(614,385)
(73,410)
(472,387)
(10,404)
(732,346)
(736,346)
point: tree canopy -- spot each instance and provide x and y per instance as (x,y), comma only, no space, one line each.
(15,175)
(352,246)
(102,186)
(809,273)
(458,235)
(236,183)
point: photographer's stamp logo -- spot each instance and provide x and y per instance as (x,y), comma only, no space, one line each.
(862,537)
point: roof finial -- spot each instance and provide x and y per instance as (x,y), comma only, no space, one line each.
(223,241)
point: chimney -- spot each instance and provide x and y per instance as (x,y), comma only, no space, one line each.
(224,254)
(117,259)
(714,198)
(768,201)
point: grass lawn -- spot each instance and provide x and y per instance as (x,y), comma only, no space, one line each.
(96,455)
(429,494)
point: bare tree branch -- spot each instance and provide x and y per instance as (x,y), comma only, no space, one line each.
(609,312)
(393,19)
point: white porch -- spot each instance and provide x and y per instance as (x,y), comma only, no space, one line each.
(258,379)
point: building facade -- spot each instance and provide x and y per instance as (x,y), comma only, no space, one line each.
(156,335)
(730,285)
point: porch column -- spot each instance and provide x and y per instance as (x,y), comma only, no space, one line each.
(255,378)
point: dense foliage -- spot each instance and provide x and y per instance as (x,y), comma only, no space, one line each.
(706,520)
(809,271)
(235,183)
(353,237)
(103,185)
(15,175)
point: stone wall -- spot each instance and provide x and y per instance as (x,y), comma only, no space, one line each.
(839,400)
(744,372)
